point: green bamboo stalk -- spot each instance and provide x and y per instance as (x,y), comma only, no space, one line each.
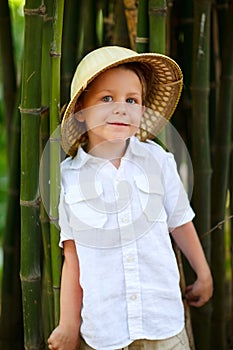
(221,168)
(55,152)
(201,150)
(30,108)
(47,293)
(157,25)
(142,38)
(157,33)
(8,68)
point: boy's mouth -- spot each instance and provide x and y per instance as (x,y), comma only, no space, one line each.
(118,123)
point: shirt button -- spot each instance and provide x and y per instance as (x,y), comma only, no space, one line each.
(125,219)
(130,258)
(133,297)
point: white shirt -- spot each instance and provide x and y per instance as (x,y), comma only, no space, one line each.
(120,221)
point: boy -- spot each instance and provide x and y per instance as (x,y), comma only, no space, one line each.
(120,199)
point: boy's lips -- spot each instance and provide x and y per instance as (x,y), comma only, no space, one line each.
(118,123)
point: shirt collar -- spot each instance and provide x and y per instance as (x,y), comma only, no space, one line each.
(135,147)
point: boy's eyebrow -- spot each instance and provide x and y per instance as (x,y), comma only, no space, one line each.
(111,90)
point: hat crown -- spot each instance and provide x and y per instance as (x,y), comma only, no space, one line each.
(95,62)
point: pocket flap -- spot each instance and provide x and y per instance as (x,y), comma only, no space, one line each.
(150,183)
(83,192)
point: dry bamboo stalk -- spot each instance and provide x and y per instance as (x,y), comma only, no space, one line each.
(131,14)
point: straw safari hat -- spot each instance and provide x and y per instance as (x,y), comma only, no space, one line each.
(166,81)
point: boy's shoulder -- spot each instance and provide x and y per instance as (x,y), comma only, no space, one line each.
(156,150)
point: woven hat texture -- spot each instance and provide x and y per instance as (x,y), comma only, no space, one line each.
(166,81)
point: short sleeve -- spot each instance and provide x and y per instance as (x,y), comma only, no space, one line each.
(65,229)
(176,201)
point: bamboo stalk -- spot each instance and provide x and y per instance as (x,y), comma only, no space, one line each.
(55,153)
(30,109)
(221,169)
(231,239)
(87,29)
(131,14)
(201,150)
(157,25)
(69,46)
(47,291)
(120,34)
(8,68)
(142,38)
(11,323)
(188,323)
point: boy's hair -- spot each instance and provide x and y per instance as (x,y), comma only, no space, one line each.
(137,69)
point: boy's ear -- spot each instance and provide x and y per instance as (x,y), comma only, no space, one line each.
(79,116)
(78,112)
(143,109)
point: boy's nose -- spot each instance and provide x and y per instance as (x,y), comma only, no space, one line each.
(119,108)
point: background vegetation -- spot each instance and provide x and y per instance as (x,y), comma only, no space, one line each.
(41,43)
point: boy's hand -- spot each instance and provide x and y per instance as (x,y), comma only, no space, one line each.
(63,338)
(200,292)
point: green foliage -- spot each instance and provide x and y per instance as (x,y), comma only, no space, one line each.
(17,18)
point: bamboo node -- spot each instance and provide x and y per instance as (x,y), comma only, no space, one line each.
(48,18)
(34,203)
(142,40)
(54,53)
(30,110)
(157,10)
(41,10)
(53,219)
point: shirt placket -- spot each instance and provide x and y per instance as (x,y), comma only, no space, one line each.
(131,269)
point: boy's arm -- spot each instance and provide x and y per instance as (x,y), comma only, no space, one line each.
(187,240)
(66,335)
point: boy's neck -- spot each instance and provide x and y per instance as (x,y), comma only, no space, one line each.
(113,151)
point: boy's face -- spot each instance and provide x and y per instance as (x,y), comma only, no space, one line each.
(112,106)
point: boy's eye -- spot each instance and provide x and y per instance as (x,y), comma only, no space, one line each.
(107,99)
(131,100)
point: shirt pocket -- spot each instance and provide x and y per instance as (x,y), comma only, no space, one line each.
(151,196)
(86,210)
